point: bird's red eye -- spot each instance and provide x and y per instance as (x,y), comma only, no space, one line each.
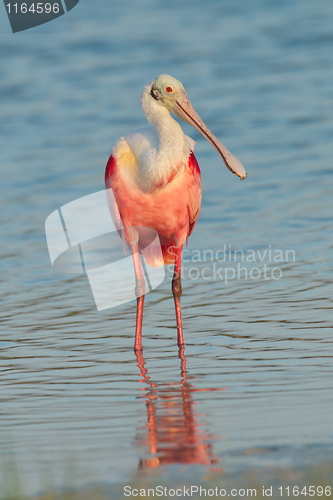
(168,89)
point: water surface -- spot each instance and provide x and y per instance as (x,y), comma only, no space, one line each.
(256,390)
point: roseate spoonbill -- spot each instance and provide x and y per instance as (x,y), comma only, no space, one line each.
(156,183)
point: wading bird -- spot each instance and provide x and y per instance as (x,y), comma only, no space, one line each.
(156,182)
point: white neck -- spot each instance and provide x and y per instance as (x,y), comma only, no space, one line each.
(170,157)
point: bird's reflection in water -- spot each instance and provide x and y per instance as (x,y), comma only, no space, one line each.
(173,433)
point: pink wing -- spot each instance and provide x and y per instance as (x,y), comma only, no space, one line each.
(194,193)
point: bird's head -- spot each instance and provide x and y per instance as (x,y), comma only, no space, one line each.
(171,94)
(167,90)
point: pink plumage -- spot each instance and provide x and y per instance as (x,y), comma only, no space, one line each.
(172,210)
(156,183)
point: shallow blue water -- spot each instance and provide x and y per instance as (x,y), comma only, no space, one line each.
(260,75)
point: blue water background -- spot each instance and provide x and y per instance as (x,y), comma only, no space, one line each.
(260,75)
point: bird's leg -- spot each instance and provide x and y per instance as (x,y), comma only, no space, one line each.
(177,291)
(138,328)
(140,290)
(183,371)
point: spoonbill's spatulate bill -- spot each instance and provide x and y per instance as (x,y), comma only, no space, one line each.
(156,183)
